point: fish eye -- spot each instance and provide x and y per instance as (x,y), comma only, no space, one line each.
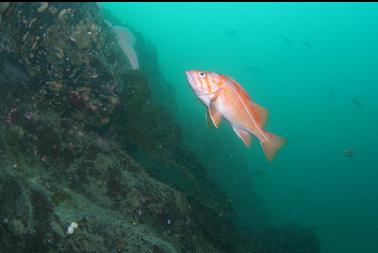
(202,74)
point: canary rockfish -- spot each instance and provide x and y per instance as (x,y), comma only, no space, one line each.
(224,97)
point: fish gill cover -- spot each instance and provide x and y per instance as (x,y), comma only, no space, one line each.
(90,162)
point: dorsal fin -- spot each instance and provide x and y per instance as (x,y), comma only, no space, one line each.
(261,112)
(238,87)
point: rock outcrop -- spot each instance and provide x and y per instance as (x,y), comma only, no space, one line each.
(60,162)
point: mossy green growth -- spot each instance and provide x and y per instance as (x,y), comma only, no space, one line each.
(11,138)
(59,197)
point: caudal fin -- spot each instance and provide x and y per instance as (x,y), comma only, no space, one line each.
(272,145)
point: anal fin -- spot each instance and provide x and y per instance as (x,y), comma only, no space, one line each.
(243,135)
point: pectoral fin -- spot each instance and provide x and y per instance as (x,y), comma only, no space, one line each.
(214,116)
(243,135)
(208,119)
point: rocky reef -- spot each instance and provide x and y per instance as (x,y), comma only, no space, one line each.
(83,141)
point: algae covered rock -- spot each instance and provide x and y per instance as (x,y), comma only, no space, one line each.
(60,160)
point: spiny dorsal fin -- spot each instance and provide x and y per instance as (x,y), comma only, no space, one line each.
(237,85)
(251,106)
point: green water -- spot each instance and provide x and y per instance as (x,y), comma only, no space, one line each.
(314,67)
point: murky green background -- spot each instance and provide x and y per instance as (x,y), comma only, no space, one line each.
(314,67)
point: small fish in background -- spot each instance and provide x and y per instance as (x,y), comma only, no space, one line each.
(286,40)
(348,152)
(224,97)
(356,102)
(253,69)
(231,32)
(308,45)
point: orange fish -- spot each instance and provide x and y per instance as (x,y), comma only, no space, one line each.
(224,97)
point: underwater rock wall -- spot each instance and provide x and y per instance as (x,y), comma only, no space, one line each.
(82,141)
(162,91)
(60,163)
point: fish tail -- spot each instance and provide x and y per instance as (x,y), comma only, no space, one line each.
(271,144)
